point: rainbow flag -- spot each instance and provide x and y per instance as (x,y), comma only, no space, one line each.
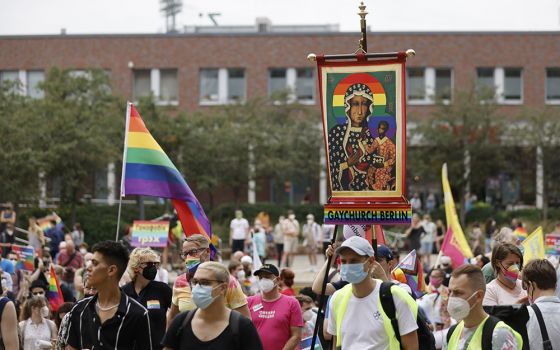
(25,256)
(148,171)
(54,294)
(521,233)
(409,271)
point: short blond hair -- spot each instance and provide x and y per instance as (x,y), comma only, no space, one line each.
(198,239)
(139,256)
(221,273)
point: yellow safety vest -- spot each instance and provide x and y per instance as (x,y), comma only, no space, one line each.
(476,340)
(340,302)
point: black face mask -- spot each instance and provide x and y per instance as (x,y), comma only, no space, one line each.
(150,272)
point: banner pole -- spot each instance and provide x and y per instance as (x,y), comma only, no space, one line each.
(123,171)
(320,313)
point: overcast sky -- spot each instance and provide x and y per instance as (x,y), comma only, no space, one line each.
(143,16)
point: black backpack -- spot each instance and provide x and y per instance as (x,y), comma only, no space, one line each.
(515,316)
(234,320)
(426,340)
(487,331)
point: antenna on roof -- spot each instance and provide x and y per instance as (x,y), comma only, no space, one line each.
(170,9)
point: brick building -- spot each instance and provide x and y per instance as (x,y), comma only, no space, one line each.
(204,67)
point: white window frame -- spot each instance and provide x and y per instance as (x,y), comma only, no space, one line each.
(547,101)
(452,84)
(155,77)
(222,87)
(26,84)
(499,82)
(429,87)
(291,83)
(314,94)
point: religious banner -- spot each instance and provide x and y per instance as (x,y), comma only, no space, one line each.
(150,233)
(552,244)
(364,125)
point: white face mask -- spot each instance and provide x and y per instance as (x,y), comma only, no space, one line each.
(292,217)
(265,285)
(240,275)
(83,251)
(459,308)
(45,311)
(308,315)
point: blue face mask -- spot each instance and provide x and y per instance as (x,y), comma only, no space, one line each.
(353,273)
(202,296)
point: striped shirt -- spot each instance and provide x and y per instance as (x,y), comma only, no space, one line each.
(129,328)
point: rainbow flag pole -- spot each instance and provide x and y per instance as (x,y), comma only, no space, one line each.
(128,104)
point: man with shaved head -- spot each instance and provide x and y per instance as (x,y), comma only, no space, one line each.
(466,292)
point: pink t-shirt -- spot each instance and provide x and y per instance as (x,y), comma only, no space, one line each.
(496,294)
(274,319)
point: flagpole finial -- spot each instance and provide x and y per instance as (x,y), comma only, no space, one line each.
(363,28)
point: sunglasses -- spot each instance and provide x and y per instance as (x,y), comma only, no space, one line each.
(38,293)
(192,252)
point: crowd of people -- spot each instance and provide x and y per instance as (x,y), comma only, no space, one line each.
(117,296)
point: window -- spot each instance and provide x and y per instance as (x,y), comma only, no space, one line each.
(236,84)
(416,84)
(168,85)
(305,84)
(443,85)
(553,84)
(485,84)
(34,78)
(209,85)
(512,84)
(142,83)
(277,80)
(9,75)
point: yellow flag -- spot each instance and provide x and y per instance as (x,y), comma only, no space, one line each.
(533,246)
(451,216)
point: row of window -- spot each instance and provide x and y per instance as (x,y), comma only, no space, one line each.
(424,85)
(225,85)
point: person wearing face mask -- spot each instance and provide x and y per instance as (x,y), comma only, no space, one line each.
(356,318)
(434,303)
(309,319)
(155,296)
(312,239)
(290,228)
(475,328)
(539,279)
(36,327)
(212,325)
(236,270)
(506,289)
(505,235)
(278,317)
(196,250)
(238,232)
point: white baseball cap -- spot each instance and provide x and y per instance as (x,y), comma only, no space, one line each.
(246,260)
(358,244)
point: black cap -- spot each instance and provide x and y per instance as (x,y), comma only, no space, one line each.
(38,284)
(268,268)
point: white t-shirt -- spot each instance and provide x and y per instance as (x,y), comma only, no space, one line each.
(239,228)
(550,309)
(496,294)
(362,324)
(430,229)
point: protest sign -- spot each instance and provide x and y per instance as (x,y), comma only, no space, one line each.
(149,233)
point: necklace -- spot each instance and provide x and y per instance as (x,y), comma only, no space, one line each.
(105,308)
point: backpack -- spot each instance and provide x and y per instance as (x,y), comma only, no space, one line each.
(487,330)
(234,321)
(515,316)
(426,340)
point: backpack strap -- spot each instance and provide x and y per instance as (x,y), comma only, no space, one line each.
(547,344)
(450,332)
(3,302)
(488,330)
(234,321)
(186,321)
(388,305)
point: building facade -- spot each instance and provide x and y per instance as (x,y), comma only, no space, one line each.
(204,68)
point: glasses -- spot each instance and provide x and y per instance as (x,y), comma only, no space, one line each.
(38,293)
(203,282)
(192,252)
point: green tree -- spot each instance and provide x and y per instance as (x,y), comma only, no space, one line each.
(20,150)
(83,127)
(466,134)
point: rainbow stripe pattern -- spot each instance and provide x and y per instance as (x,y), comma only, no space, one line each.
(148,171)
(54,295)
(25,256)
(379,96)
(367,214)
(409,271)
